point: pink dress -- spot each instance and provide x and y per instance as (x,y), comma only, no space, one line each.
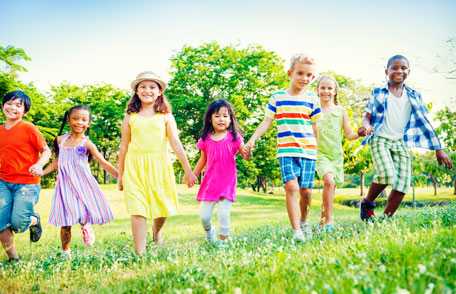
(220,178)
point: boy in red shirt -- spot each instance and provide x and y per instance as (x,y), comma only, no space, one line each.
(23,153)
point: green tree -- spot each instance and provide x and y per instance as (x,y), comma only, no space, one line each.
(244,76)
(11,57)
(446,131)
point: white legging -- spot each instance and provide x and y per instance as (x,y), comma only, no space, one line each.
(224,207)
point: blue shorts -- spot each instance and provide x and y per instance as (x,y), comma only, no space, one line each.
(299,168)
(16,205)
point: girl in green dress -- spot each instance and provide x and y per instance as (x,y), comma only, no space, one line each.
(330,159)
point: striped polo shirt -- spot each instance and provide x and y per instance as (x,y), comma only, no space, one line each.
(294,116)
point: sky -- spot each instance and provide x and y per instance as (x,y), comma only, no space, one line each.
(87,42)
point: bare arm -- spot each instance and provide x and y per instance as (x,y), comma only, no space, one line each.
(366,129)
(124,141)
(260,130)
(200,164)
(51,167)
(315,131)
(101,160)
(37,168)
(173,138)
(348,131)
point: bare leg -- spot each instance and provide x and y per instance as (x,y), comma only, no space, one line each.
(139,230)
(394,200)
(7,239)
(304,202)
(374,190)
(291,194)
(65,237)
(329,190)
(156,229)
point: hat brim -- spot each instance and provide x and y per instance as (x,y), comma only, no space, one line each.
(135,83)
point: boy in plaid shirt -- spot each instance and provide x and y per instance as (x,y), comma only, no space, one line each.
(395,119)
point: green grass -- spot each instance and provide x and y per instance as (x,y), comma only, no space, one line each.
(416,252)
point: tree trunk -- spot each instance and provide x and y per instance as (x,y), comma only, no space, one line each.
(454,191)
(361,183)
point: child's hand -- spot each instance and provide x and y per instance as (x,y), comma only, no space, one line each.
(120,184)
(442,158)
(190,179)
(36,170)
(245,152)
(364,131)
(247,149)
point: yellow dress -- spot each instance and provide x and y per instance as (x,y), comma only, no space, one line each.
(148,179)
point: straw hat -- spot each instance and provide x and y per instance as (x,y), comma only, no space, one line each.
(148,76)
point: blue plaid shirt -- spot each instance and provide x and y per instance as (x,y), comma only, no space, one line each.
(418,131)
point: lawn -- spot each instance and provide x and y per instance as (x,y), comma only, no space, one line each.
(415,252)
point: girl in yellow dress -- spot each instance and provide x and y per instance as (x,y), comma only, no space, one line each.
(146,173)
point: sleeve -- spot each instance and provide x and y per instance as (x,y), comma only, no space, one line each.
(201,145)
(271,109)
(421,104)
(36,139)
(316,111)
(370,104)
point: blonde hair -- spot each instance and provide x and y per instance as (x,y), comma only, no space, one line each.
(301,58)
(328,78)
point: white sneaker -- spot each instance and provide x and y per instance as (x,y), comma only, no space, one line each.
(299,237)
(307,230)
(211,235)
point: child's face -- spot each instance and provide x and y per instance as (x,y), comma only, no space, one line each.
(14,109)
(398,71)
(301,75)
(79,121)
(221,120)
(326,90)
(148,92)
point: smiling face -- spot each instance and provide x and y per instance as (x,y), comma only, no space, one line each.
(221,120)
(14,109)
(148,92)
(79,120)
(301,75)
(327,90)
(397,71)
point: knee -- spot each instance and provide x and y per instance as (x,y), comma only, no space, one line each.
(205,218)
(329,183)
(291,187)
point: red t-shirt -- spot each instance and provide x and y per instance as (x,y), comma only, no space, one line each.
(20,148)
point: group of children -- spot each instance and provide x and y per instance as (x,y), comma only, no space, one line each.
(310,130)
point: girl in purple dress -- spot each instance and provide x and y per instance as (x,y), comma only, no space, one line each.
(220,141)
(78,198)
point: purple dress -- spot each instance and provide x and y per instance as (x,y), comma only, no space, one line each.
(220,178)
(78,198)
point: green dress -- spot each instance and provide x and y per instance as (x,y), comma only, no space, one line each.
(330,158)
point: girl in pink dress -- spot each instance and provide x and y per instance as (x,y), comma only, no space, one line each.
(220,142)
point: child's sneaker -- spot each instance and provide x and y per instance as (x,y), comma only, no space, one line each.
(36,230)
(88,237)
(66,254)
(307,230)
(298,236)
(211,236)
(328,228)
(366,210)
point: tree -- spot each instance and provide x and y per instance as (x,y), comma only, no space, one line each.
(244,76)
(446,131)
(11,57)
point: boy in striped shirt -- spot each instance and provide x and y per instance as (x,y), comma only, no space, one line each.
(295,111)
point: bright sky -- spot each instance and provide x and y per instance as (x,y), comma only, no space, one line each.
(86,42)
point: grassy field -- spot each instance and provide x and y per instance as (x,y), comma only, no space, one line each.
(415,252)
